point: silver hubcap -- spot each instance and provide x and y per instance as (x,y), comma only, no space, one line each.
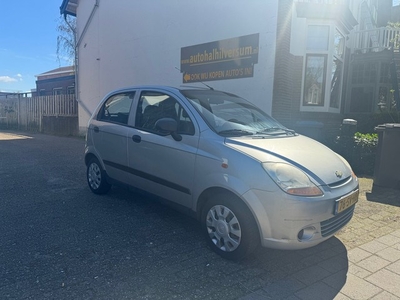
(223,228)
(94,176)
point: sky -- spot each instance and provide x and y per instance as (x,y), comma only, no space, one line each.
(28,42)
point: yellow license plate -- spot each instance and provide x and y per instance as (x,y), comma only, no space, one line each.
(345,202)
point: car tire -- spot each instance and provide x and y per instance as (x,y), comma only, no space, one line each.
(97,177)
(229,227)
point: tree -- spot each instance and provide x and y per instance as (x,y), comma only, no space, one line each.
(66,39)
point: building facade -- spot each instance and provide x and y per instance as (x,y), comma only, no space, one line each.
(306,62)
(60,81)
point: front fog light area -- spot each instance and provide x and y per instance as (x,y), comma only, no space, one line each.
(306,233)
(292,180)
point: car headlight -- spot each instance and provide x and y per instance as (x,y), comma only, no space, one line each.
(292,180)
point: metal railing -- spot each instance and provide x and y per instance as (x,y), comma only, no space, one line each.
(375,40)
(339,2)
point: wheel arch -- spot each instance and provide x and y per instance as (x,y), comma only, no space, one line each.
(89,156)
(206,194)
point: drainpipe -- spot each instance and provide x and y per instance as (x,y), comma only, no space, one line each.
(96,5)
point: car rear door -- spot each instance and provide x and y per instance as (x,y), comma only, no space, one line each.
(110,133)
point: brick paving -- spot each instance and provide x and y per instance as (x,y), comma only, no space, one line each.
(377,214)
(60,241)
(368,268)
(373,242)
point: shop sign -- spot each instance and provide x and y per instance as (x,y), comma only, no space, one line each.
(220,60)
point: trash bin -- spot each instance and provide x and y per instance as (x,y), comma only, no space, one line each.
(348,128)
(311,129)
(387,162)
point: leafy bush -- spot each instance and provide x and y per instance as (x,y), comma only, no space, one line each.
(360,151)
(366,140)
(365,145)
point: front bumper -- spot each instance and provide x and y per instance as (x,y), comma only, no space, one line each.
(287,222)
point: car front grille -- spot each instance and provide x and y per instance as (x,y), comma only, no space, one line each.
(332,225)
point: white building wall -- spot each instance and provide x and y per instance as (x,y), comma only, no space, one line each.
(139,42)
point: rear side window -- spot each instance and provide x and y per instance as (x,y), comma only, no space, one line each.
(116,109)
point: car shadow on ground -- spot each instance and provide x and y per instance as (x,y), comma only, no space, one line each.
(320,271)
(384,195)
(177,255)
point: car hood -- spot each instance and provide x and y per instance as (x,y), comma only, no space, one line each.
(317,160)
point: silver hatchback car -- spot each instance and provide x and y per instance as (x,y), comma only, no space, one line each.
(247,178)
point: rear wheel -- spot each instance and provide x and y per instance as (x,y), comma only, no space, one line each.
(96,177)
(229,226)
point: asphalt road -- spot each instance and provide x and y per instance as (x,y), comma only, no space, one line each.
(60,241)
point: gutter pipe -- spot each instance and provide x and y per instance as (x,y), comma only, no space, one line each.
(96,5)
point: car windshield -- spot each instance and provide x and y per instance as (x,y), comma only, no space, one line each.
(230,115)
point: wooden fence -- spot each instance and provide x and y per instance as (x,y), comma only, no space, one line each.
(43,114)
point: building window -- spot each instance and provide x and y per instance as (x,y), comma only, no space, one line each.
(337,70)
(336,82)
(323,68)
(71,90)
(57,91)
(357,74)
(339,44)
(314,81)
(370,86)
(361,99)
(385,71)
(318,38)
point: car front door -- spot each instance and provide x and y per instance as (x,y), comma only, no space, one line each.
(158,163)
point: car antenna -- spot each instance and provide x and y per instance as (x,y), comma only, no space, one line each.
(210,87)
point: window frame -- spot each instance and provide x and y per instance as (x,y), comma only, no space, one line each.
(323,85)
(57,91)
(181,111)
(330,55)
(122,117)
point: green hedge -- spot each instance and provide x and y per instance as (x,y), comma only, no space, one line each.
(360,151)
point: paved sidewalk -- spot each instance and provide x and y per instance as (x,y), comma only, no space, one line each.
(361,262)
(373,242)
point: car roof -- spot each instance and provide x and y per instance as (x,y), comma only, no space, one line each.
(161,87)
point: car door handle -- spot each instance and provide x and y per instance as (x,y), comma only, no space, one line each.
(96,129)
(136,138)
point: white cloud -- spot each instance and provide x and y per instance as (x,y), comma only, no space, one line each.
(7,79)
(19,76)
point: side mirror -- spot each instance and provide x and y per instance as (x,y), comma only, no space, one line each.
(169,126)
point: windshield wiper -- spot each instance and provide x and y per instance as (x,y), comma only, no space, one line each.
(235,132)
(276,131)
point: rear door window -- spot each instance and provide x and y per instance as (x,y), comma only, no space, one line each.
(116,109)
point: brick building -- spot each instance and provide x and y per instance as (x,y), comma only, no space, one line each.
(60,81)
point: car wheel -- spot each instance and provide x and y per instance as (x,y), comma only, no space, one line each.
(97,178)
(229,226)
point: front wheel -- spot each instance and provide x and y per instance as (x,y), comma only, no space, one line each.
(96,177)
(229,226)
